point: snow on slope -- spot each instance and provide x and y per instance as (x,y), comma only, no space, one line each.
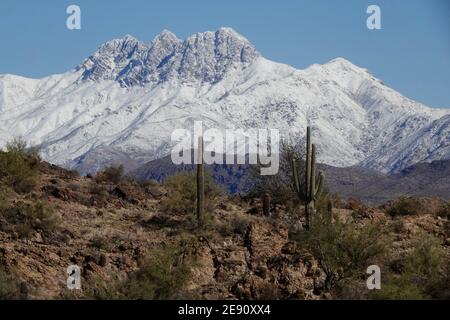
(125,100)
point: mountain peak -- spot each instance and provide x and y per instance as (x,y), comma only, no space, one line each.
(230,32)
(343,65)
(166,36)
(217,77)
(114,46)
(128,37)
(167,32)
(206,56)
(111,57)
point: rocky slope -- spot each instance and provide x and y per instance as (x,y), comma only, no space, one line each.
(108,234)
(123,103)
(107,229)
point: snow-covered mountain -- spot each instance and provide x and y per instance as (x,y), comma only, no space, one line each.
(122,104)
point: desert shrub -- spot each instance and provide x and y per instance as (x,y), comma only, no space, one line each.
(343,249)
(237,225)
(112,174)
(268,291)
(444,211)
(397,288)
(148,183)
(74,187)
(240,223)
(5,194)
(424,274)
(405,206)
(224,228)
(351,289)
(98,191)
(280,186)
(28,217)
(19,167)
(9,286)
(355,205)
(182,193)
(447,228)
(73,174)
(398,226)
(160,220)
(321,204)
(161,276)
(427,266)
(100,241)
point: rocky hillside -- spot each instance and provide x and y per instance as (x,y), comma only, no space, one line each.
(108,227)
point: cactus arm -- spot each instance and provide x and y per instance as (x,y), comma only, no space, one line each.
(308,162)
(295,174)
(266,204)
(320,183)
(312,185)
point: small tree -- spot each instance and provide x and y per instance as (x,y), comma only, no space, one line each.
(9,286)
(342,248)
(280,186)
(425,274)
(182,193)
(19,167)
(162,275)
(405,206)
(28,217)
(113,174)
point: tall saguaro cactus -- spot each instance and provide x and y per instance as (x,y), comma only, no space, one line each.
(266,204)
(313,182)
(200,185)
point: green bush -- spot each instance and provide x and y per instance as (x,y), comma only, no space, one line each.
(280,186)
(424,275)
(444,212)
(27,217)
(9,286)
(113,174)
(161,276)
(397,288)
(99,194)
(19,167)
(343,249)
(398,226)
(182,193)
(405,206)
(237,225)
(100,241)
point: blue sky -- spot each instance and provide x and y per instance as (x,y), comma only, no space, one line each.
(411,53)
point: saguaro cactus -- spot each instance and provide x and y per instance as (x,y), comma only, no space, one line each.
(266,204)
(200,185)
(313,182)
